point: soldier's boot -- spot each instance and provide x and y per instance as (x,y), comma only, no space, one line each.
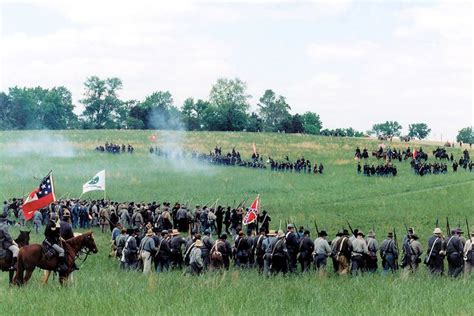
(62,266)
(14,263)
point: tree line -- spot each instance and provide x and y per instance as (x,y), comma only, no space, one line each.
(226,109)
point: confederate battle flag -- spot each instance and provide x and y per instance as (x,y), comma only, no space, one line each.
(40,197)
(252,213)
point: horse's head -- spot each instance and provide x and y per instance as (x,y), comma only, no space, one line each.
(89,242)
(23,238)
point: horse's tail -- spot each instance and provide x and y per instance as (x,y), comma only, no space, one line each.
(18,279)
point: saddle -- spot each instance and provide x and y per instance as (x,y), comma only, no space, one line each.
(5,254)
(48,250)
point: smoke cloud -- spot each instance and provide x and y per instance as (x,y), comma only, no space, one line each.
(42,144)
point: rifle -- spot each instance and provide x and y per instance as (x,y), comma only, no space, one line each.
(437,223)
(316,226)
(448,229)
(468,231)
(396,244)
(406,228)
(350,227)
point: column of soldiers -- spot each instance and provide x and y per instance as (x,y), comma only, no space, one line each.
(163,237)
(115,148)
(233,158)
(291,251)
(387,169)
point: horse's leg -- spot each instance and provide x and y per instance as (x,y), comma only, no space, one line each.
(10,277)
(27,275)
(46,275)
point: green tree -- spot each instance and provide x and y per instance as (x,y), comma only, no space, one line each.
(465,135)
(193,114)
(389,128)
(273,111)
(5,108)
(38,108)
(312,123)
(155,112)
(56,109)
(101,102)
(254,123)
(230,99)
(297,124)
(418,130)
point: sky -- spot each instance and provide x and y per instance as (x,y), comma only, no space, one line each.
(355,63)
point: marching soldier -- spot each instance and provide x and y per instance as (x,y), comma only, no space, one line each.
(468,252)
(373,248)
(343,249)
(389,253)
(207,244)
(435,255)
(291,241)
(334,250)
(279,254)
(321,252)
(306,248)
(359,252)
(453,249)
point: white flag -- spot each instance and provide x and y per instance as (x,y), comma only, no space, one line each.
(96,183)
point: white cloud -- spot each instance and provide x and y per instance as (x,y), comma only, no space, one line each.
(344,50)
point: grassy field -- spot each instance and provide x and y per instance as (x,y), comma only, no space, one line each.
(332,198)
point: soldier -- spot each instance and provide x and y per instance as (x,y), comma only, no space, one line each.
(453,249)
(468,252)
(221,253)
(415,252)
(51,234)
(130,250)
(434,258)
(196,263)
(373,248)
(65,227)
(259,249)
(163,252)
(359,252)
(182,219)
(6,240)
(291,244)
(219,219)
(321,252)
(343,249)
(137,219)
(241,250)
(176,244)
(147,251)
(265,219)
(389,253)
(306,248)
(208,243)
(37,221)
(334,250)
(227,220)
(279,254)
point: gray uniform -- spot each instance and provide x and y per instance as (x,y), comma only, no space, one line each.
(321,252)
(468,256)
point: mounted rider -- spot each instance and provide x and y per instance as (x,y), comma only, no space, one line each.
(6,240)
(52,239)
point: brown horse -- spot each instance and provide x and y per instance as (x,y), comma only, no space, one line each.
(6,262)
(32,256)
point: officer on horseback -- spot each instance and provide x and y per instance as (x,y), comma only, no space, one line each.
(52,240)
(6,240)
